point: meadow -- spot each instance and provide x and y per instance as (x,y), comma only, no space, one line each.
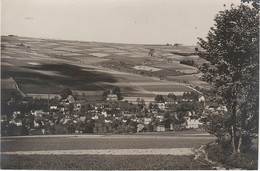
(42,66)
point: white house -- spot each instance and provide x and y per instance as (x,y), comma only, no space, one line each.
(37,113)
(192,123)
(112,97)
(201,99)
(161,106)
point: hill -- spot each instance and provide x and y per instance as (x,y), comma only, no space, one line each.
(45,66)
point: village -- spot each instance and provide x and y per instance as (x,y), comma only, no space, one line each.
(77,114)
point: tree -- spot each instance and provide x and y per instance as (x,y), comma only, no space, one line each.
(117,91)
(166,114)
(105,94)
(151,52)
(138,100)
(255,3)
(159,99)
(232,49)
(172,95)
(65,93)
(142,102)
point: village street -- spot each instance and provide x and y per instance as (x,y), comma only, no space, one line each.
(154,150)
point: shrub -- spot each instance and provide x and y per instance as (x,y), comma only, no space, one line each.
(222,153)
(60,129)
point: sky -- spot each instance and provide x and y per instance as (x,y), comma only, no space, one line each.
(117,21)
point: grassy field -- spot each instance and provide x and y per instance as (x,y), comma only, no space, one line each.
(59,144)
(47,66)
(106,162)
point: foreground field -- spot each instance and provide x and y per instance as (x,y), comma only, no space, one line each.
(165,150)
(106,162)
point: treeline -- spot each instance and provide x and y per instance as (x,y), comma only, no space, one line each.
(188,62)
(184,53)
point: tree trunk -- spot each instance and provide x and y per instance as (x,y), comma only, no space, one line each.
(234,127)
(240,143)
(233,139)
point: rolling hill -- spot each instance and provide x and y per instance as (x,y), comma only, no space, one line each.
(45,66)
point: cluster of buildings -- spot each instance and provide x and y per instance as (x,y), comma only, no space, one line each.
(81,116)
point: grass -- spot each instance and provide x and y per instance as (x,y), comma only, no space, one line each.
(166,88)
(104,162)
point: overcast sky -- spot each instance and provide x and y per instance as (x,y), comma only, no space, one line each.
(121,21)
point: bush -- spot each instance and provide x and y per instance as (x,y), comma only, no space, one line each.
(16,131)
(222,153)
(60,129)
(243,160)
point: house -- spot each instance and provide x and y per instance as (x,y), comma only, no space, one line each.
(170,101)
(3,118)
(82,118)
(161,106)
(160,128)
(16,113)
(213,108)
(104,112)
(38,113)
(192,123)
(140,127)
(161,117)
(108,120)
(222,108)
(112,97)
(201,99)
(128,115)
(78,106)
(53,107)
(19,122)
(154,111)
(95,117)
(70,99)
(147,121)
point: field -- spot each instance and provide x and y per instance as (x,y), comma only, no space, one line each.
(157,150)
(42,66)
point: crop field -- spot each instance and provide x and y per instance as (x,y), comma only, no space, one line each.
(178,67)
(166,88)
(42,66)
(156,150)
(146,68)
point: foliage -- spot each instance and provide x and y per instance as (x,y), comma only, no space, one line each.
(190,95)
(172,95)
(151,52)
(117,91)
(232,49)
(105,94)
(188,62)
(217,153)
(65,93)
(159,99)
(255,3)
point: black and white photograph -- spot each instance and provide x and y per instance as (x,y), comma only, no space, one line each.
(129,84)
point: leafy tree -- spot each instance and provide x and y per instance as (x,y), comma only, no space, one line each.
(159,98)
(142,102)
(65,93)
(151,52)
(105,94)
(166,114)
(117,91)
(255,3)
(172,95)
(231,49)
(138,100)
